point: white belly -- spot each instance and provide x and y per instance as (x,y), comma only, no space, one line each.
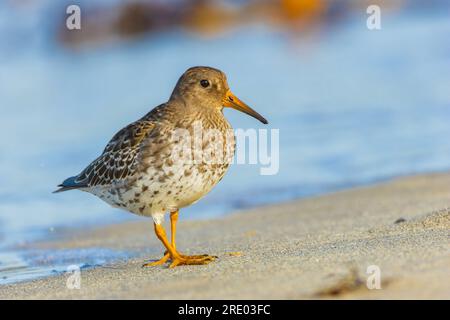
(160,191)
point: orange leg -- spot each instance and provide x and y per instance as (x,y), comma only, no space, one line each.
(173,228)
(171,252)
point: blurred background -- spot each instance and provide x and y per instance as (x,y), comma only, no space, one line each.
(354,106)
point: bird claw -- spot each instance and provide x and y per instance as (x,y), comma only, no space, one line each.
(181,260)
(157,262)
(199,256)
(192,260)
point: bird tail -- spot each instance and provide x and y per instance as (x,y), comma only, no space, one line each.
(69,184)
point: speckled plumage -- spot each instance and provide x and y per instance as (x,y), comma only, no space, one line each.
(137,170)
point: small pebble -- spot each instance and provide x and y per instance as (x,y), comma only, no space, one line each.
(400,220)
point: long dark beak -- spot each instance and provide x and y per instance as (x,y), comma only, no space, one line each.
(232,101)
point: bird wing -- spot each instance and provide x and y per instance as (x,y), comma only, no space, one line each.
(119,159)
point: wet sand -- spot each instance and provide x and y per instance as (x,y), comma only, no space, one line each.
(318,247)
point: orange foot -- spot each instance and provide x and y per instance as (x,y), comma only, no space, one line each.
(181,259)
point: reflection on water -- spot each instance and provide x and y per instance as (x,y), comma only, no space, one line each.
(353,106)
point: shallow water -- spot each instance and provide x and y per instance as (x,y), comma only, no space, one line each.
(32,264)
(353,106)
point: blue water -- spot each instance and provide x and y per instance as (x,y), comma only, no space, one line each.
(353,106)
(31,264)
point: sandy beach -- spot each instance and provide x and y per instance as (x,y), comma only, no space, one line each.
(319,247)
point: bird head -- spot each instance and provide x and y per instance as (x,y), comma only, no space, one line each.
(208,87)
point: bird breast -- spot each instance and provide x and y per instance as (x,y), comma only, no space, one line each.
(180,166)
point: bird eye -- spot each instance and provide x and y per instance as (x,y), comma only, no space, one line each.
(204,83)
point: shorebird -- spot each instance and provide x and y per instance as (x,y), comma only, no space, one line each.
(152,166)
